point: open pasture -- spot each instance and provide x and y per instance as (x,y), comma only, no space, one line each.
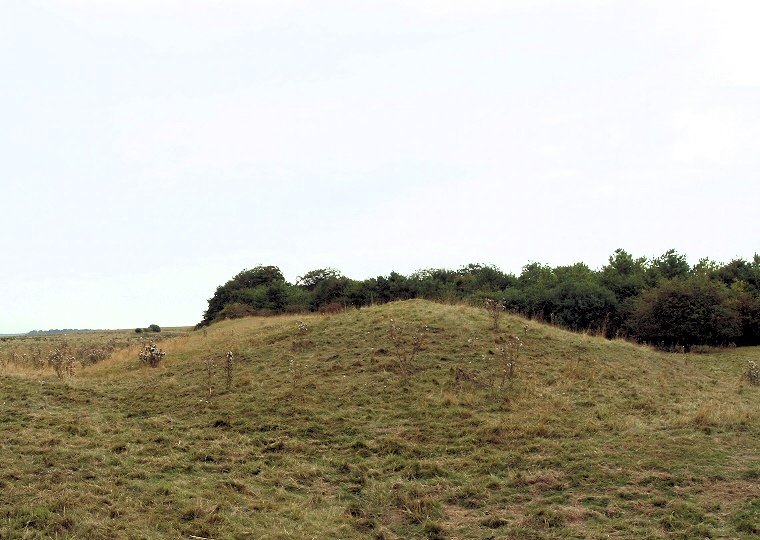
(32,352)
(332,428)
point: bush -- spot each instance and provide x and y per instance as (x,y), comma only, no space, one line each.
(298,299)
(686,312)
(748,308)
(151,355)
(753,373)
(235,290)
(581,305)
(154,328)
(138,330)
(235,310)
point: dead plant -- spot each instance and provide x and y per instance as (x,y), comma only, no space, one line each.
(753,373)
(210,373)
(62,363)
(508,354)
(495,309)
(407,343)
(228,369)
(151,355)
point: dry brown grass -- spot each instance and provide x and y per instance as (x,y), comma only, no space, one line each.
(718,414)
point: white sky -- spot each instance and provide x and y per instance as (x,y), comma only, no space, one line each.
(149,150)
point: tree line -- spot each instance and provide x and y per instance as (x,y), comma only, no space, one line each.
(663,301)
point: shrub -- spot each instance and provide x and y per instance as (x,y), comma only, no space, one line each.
(330,290)
(154,328)
(581,305)
(748,307)
(241,286)
(151,355)
(90,356)
(686,312)
(753,373)
(62,362)
(407,343)
(495,308)
(235,310)
(298,299)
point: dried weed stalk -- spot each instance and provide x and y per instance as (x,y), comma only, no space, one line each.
(210,372)
(228,369)
(302,343)
(407,343)
(495,309)
(38,361)
(461,376)
(508,354)
(296,375)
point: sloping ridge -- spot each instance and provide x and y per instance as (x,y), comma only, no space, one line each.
(330,429)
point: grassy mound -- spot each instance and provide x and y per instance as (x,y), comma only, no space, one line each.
(331,430)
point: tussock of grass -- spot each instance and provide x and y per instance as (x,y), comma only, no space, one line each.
(323,434)
(716,414)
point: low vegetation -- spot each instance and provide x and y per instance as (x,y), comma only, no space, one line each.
(151,355)
(318,433)
(151,328)
(37,351)
(662,301)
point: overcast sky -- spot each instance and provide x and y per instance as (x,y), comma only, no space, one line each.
(149,150)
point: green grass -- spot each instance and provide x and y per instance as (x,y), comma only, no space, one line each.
(322,436)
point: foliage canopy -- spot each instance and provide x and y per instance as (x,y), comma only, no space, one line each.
(662,300)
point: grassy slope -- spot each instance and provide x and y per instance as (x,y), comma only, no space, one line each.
(596,439)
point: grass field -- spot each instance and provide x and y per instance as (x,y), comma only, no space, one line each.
(32,353)
(323,434)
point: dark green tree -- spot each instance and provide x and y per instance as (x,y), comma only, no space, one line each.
(235,289)
(669,265)
(748,307)
(624,275)
(435,283)
(483,278)
(394,287)
(330,290)
(740,270)
(530,295)
(578,301)
(310,280)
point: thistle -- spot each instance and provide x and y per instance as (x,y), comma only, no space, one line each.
(228,370)
(151,355)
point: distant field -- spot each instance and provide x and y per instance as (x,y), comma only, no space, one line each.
(25,352)
(332,430)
